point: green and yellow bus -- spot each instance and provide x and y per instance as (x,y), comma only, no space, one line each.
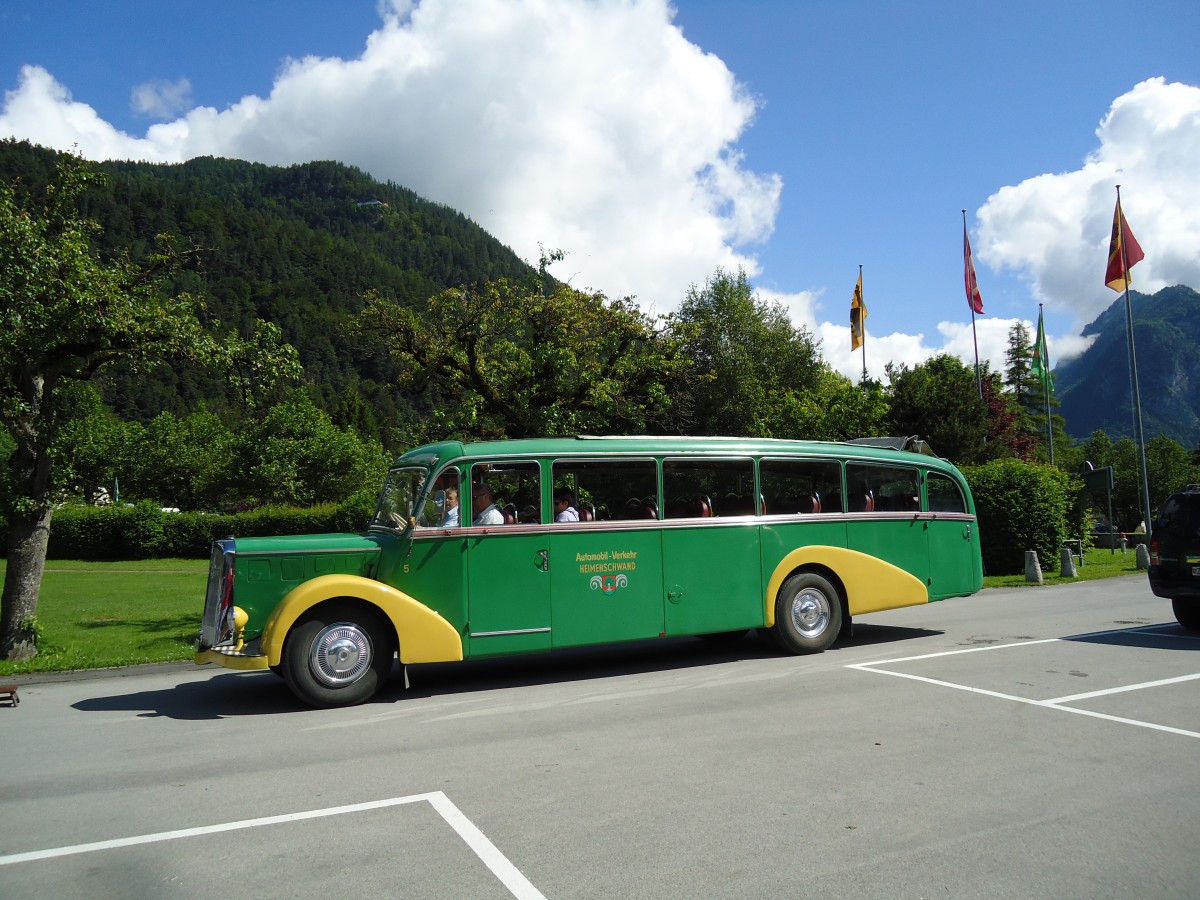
(486,549)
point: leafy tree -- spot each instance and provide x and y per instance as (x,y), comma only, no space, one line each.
(94,447)
(749,363)
(939,401)
(1018,371)
(1169,467)
(505,360)
(296,455)
(1005,437)
(68,313)
(185,463)
(833,408)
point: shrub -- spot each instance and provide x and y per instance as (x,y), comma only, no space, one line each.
(144,531)
(1023,506)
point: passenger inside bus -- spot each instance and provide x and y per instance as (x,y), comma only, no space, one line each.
(564,506)
(484,509)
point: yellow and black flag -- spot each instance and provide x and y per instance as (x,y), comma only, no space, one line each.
(858,316)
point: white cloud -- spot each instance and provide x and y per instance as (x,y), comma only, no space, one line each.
(161,99)
(1054,229)
(594,127)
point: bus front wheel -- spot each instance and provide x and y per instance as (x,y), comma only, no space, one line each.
(808,614)
(337,656)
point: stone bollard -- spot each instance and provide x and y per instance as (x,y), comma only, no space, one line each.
(1033,567)
(1068,569)
(1143,557)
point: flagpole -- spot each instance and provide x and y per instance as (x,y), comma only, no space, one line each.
(1135,392)
(863,300)
(974,333)
(1044,349)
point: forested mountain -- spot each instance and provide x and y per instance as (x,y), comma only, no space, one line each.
(297,246)
(1094,391)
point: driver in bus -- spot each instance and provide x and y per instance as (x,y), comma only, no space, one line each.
(450,510)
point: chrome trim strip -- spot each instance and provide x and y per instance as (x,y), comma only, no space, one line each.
(617,525)
(476,634)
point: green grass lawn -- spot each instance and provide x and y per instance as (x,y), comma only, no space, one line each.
(100,614)
(1097,563)
(97,615)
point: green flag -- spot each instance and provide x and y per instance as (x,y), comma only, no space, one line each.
(1041,357)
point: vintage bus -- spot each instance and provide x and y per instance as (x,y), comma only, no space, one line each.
(483,549)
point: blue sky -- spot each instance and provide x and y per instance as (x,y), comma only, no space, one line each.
(654,142)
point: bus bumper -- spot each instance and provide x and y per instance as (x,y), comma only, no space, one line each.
(231,659)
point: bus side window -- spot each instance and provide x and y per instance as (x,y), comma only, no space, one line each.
(883,488)
(701,488)
(944,494)
(515,485)
(607,489)
(801,486)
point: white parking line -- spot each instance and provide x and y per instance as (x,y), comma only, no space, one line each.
(1055,703)
(1121,690)
(508,874)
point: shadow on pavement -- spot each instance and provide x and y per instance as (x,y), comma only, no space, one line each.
(230,694)
(225,695)
(1144,634)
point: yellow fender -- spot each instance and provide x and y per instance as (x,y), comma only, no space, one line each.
(871,584)
(424,635)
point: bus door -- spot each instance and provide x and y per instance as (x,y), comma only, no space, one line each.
(712,571)
(955,568)
(606,563)
(892,527)
(507,550)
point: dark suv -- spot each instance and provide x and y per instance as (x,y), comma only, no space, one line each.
(1175,555)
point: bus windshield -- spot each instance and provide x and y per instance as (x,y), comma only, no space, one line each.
(397,502)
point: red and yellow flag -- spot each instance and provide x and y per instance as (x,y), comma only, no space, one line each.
(1123,252)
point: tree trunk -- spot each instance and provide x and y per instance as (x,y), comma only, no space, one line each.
(28,537)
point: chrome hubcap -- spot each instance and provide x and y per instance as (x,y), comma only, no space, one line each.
(810,612)
(340,654)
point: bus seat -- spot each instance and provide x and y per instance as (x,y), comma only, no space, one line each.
(587,512)
(809,504)
(864,502)
(678,508)
(509,511)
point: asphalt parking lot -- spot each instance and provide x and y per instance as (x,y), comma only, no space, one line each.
(1036,742)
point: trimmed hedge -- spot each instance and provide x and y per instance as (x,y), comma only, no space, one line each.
(145,531)
(1022,507)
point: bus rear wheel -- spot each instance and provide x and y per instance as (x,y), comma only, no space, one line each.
(337,656)
(808,614)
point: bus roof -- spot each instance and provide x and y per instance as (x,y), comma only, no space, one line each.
(602,445)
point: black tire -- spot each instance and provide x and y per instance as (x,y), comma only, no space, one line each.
(808,614)
(338,656)
(1187,614)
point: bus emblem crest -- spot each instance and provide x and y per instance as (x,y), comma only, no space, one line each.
(609,583)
